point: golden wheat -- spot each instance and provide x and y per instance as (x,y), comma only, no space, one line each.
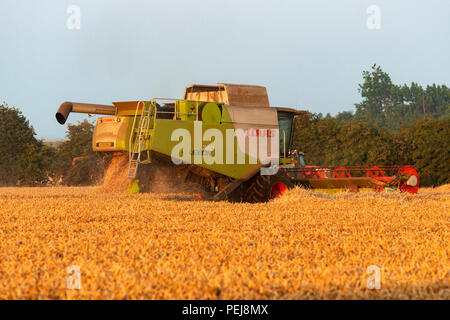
(304,245)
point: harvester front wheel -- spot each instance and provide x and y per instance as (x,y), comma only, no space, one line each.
(265,188)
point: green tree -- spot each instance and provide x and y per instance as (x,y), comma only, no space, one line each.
(426,145)
(375,92)
(89,169)
(24,160)
(390,106)
(330,142)
(345,116)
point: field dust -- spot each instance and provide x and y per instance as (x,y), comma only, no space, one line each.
(152,179)
(115,178)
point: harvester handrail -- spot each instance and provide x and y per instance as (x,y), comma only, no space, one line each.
(132,129)
(175,113)
(170,99)
(189,113)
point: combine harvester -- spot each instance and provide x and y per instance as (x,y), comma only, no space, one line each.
(212,138)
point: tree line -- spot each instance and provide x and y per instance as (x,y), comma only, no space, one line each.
(391,106)
(424,144)
(392,124)
(27,161)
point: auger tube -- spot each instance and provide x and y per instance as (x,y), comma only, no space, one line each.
(67,107)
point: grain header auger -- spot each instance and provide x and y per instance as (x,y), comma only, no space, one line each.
(226,139)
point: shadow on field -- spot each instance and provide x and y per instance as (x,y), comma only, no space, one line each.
(172,197)
(193,197)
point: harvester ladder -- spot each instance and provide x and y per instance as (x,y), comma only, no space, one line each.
(147,118)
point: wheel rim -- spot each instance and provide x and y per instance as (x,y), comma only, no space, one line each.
(277,190)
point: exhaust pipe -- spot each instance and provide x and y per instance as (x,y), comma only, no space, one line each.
(67,107)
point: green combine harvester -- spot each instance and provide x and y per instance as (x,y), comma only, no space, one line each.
(226,139)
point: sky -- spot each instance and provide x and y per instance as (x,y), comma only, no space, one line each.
(309,54)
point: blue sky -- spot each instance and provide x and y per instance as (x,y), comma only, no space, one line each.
(307,53)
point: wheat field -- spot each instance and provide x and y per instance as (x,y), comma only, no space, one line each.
(304,245)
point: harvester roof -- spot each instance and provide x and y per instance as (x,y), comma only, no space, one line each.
(231,94)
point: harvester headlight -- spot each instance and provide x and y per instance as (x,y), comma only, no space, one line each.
(412,181)
(105,144)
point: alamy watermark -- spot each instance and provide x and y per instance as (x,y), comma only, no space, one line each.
(374,280)
(222,151)
(73,21)
(374,20)
(74,280)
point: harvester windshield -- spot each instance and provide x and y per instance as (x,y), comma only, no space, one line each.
(285,120)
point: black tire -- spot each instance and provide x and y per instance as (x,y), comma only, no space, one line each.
(264,188)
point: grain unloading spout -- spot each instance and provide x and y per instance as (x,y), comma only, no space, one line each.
(67,107)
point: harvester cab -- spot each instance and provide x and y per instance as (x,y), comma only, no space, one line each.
(226,138)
